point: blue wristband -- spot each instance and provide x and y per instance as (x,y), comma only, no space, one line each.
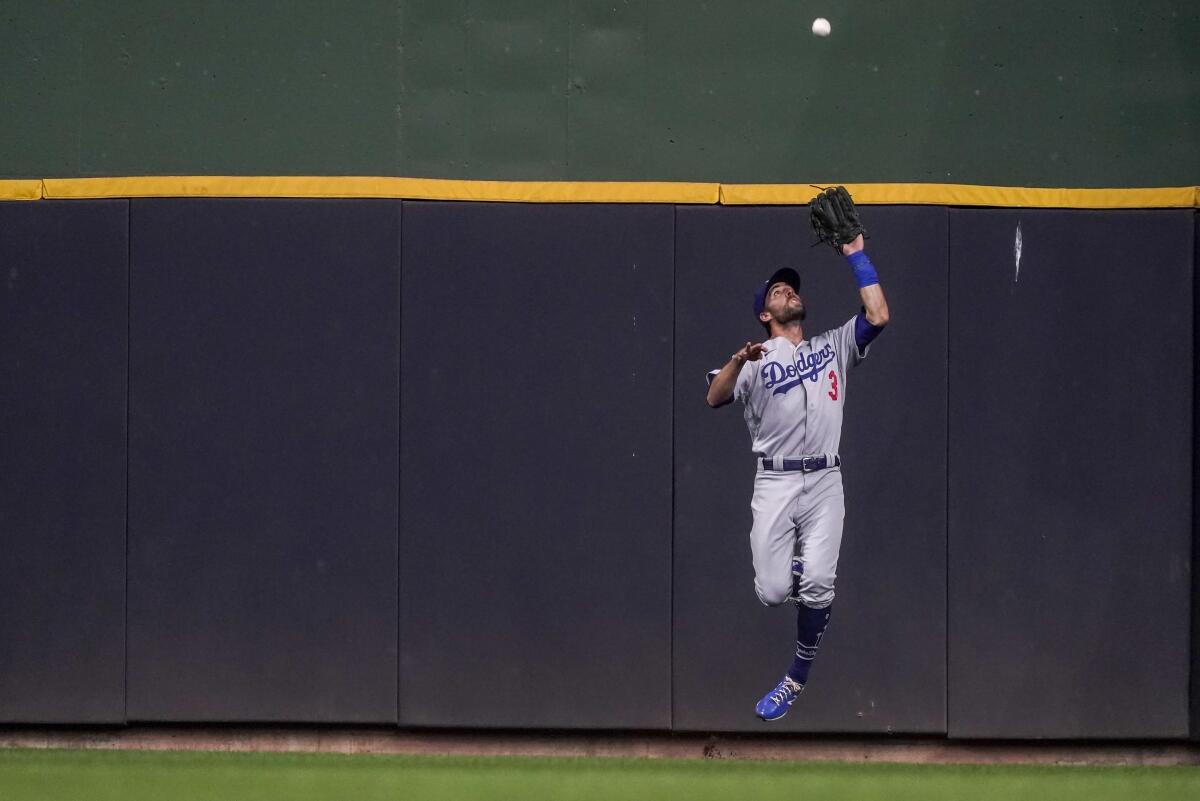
(864,271)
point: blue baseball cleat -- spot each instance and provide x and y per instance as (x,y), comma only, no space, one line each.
(774,704)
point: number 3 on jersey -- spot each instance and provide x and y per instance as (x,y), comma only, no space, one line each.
(833,393)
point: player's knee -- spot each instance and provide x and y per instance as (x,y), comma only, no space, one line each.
(773,593)
(816,600)
(817,589)
(821,579)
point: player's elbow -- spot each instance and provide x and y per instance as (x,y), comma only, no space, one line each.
(878,317)
(717,402)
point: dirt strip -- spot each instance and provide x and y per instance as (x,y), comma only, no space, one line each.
(576,744)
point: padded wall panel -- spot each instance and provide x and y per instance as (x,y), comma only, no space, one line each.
(1195,688)
(263,460)
(882,662)
(63,339)
(536,466)
(1070,473)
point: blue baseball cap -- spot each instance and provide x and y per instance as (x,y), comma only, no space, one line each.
(785,274)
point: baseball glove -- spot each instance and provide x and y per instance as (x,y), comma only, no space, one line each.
(834,217)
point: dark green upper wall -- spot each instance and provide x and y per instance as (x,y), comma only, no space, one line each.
(1073,93)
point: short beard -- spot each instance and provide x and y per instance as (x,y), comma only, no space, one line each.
(790,315)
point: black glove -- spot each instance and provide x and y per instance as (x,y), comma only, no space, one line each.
(834,217)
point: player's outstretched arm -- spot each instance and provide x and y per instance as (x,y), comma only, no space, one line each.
(720,391)
(869,288)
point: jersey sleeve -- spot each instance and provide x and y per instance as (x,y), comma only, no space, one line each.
(745,381)
(847,345)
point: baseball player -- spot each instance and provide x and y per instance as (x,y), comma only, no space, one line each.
(793,389)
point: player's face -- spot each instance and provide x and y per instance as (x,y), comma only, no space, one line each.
(784,304)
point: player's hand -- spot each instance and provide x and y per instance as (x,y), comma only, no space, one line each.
(750,352)
(853,247)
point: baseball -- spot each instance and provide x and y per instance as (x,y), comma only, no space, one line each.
(821,27)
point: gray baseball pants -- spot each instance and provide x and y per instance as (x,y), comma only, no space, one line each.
(796,513)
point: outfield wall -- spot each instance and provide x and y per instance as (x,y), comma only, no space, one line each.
(440,464)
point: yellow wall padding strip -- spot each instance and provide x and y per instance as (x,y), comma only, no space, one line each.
(363,187)
(968,195)
(603,191)
(21,190)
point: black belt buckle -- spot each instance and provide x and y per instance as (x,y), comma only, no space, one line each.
(811,464)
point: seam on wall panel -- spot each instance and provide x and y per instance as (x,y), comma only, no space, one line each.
(946,531)
(399,448)
(128,437)
(674,400)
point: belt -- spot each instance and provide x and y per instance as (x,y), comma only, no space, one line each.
(807,464)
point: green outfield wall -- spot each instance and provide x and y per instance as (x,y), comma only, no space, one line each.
(1071,93)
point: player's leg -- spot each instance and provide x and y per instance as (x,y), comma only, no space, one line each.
(773,535)
(820,538)
(821,514)
(810,627)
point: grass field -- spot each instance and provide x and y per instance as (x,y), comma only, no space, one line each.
(49,775)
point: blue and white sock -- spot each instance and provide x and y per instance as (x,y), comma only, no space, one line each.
(810,625)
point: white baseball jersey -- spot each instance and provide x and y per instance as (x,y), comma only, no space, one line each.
(794,394)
